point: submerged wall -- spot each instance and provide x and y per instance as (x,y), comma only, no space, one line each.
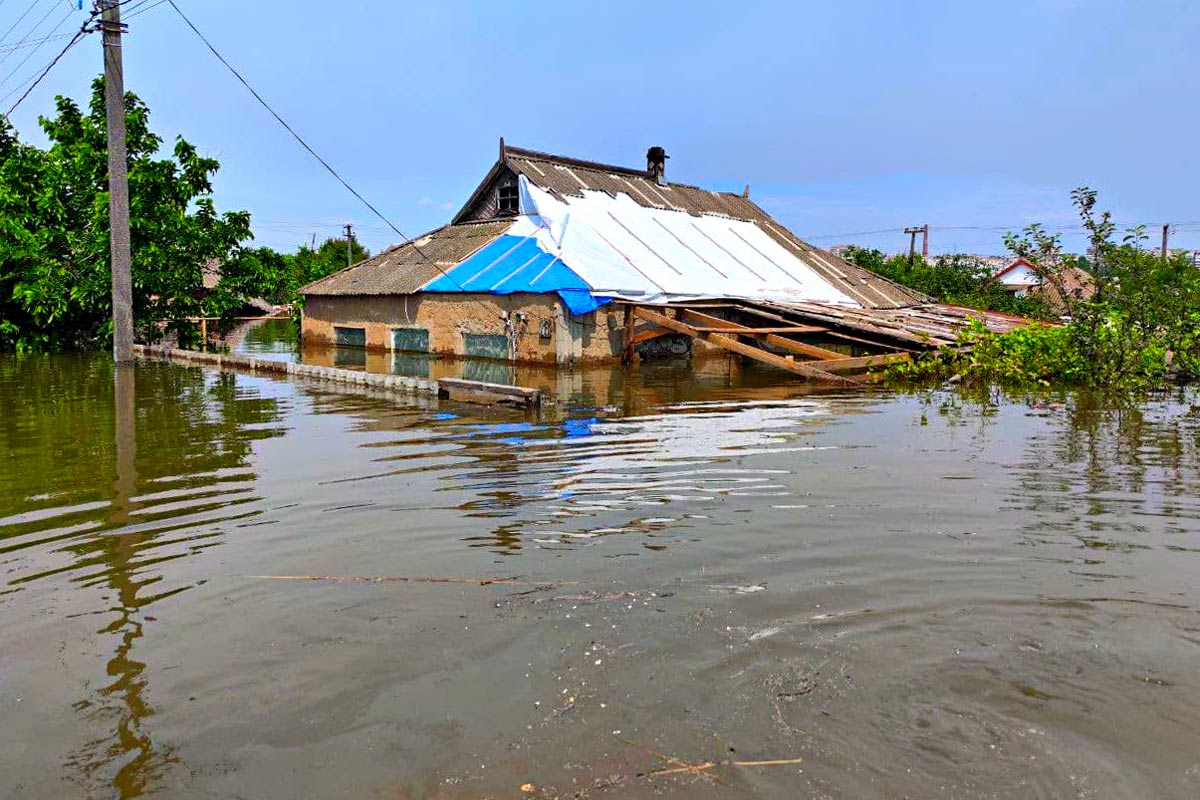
(522,327)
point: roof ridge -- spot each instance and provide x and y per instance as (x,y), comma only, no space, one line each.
(540,155)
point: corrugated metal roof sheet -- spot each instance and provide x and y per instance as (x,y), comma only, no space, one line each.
(568,177)
(404,269)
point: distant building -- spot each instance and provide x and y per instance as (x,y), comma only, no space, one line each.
(1021,278)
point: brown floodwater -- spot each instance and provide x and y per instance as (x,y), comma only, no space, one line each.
(220,586)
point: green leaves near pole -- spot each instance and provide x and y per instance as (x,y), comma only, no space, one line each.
(54,263)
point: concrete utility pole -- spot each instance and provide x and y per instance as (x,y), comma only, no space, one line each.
(118,182)
(912,242)
(349,244)
(1166,235)
(925,240)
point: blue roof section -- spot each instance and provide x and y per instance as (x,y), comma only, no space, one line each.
(512,264)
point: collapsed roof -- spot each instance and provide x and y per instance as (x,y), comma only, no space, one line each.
(595,232)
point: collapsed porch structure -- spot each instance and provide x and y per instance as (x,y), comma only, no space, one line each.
(813,341)
(559,260)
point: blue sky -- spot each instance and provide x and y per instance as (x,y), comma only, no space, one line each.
(861,115)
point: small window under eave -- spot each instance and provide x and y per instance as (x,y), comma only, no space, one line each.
(508,200)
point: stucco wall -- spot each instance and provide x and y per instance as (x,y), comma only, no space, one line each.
(596,337)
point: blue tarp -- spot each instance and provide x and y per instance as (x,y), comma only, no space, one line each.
(517,264)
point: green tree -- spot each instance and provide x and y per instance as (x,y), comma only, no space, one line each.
(311,265)
(54,247)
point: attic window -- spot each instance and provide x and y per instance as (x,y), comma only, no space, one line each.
(507,199)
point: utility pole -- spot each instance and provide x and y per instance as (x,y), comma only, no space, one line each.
(349,243)
(912,243)
(118,181)
(925,241)
(1166,235)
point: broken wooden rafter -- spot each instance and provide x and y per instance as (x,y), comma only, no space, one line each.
(860,362)
(791,345)
(728,342)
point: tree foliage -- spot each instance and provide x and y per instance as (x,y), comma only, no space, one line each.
(307,265)
(55,284)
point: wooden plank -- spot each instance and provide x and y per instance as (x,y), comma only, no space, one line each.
(627,353)
(861,362)
(791,345)
(733,327)
(732,344)
(858,340)
(479,391)
(648,334)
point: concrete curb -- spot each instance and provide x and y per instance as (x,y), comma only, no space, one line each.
(465,391)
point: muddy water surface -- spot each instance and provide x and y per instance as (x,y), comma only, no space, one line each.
(231,586)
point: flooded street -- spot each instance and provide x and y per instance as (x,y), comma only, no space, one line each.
(217,586)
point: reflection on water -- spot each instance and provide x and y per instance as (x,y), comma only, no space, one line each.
(82,503)
(921,596)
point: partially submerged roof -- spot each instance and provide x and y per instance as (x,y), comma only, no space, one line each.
(619,233)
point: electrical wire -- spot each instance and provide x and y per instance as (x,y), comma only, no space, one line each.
(21,45)
(142,8)
(19,20)
(29,33)
(83,31)
(290,129)
(34,51)
(406,240)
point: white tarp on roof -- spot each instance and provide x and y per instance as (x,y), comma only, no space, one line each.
(626,250)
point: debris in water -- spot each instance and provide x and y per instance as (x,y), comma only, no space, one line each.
(508,581)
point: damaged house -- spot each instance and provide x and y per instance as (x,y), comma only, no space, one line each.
(560,260)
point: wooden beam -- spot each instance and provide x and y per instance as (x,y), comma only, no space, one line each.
(649,333)
(480,392)
(869,342)
(733,327)
(729,343)
(862,362)
(627,352)
(828,330)
(791,345)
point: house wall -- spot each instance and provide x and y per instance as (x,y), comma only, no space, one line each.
(451,319)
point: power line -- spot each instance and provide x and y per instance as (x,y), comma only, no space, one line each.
(45,17)
(21,45)
(142,8)
(19,19)
(83,31)
(34,51)
(290,129)
(405,239)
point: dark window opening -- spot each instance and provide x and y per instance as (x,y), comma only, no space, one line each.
(508,200)
(350,337)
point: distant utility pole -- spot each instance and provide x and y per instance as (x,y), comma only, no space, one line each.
(349,244)
(1166,235)
(925,240)
(118,181)
(912,242)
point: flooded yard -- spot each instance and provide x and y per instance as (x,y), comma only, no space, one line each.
(218,586)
